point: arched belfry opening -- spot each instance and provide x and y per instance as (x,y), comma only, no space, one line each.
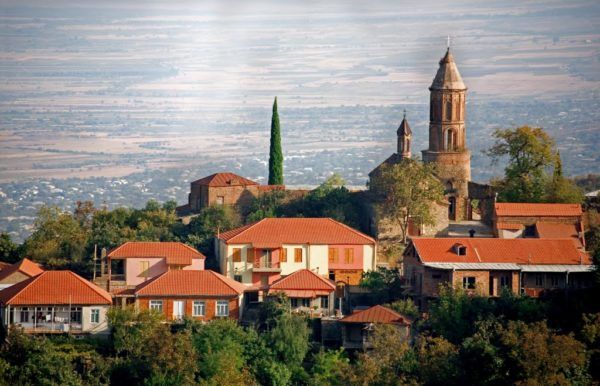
(450,140)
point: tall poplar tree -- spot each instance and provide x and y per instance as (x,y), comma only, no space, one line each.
(275,153)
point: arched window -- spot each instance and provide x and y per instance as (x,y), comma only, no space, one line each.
(406,145)
(450,140)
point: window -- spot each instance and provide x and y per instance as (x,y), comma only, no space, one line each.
(76,314)
(283,257)
(144,267)
(199,308)
(95,315)
(539,280)
(461,250)
(156,305)
(348,255)
(305,302)
(298,255)
(504,281)
(237,278)
(325,302)
(436,276)
(237,255)
(300,302)
(554,280)
(334,255)
(448,111)
(24,314)
(222,308)
(469,282)
(220,200)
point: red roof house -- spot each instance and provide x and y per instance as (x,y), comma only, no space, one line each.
(19,271)
(196,294)
(357,327)
(488,265)
(307,291)
(56,301)
(262,252)
(139,261)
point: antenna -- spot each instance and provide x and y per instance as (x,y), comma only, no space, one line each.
(404,113)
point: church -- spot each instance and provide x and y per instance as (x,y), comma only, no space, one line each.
(465,201)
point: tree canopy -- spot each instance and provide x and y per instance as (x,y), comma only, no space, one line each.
(533,172)
(407,190)
(275,152)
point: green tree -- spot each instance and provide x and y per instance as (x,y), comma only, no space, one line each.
(531,156)
(289,340)
(327,367)
(8,249)
(275,152)
(561,189)
(404,307)
(384,283)
(438,361)
(57,238)
(265,205)
(148,352)
(406,190)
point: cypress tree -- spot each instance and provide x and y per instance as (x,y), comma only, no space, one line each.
(275,153)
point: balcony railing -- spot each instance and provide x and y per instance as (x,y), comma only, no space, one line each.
(266,266)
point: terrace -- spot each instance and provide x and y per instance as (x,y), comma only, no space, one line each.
(47,319)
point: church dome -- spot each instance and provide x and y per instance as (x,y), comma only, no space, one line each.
(447,77)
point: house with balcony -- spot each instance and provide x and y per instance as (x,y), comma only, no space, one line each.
(55,302)
(357,328)
(544,221)
(200,295)
(307,292)
(261,253)
(18,272)
(136,262)
(487,266)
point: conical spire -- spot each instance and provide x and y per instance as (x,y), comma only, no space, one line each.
(447,77)
(404,128)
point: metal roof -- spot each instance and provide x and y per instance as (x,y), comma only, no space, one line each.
(512,267)
(556,268)
(475,266)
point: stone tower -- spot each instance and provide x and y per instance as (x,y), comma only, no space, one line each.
(404,138)
(447,135)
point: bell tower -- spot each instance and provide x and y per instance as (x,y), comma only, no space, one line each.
(404,138)
(447,135)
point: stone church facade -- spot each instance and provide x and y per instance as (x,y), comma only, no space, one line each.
(448,150)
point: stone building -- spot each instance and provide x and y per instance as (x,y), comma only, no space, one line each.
(448,150)
(223,189)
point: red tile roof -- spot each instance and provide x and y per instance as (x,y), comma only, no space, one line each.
(55,287)
(303,284)
(25,266)
(174,252)
(488,250)
(527,209)
(224,179)
(190,283)
(277,231)
(548,230)
(4,265)
(376,314)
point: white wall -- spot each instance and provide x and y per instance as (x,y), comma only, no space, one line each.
(319,258)
(368,258)
(291,266)
(94,328)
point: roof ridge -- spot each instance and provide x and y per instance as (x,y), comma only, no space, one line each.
(326,281)
(222,278)
(351,229)
(92,286)
(190,247)
(248,227)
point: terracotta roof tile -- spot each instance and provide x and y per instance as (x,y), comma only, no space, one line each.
(277,231)
(24,266)
(4,265)
(190,283)
(527,209)
(174,252)
(224,179)
(55,287)
(488,250)
(303,284)
(376,314)
(548,230)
